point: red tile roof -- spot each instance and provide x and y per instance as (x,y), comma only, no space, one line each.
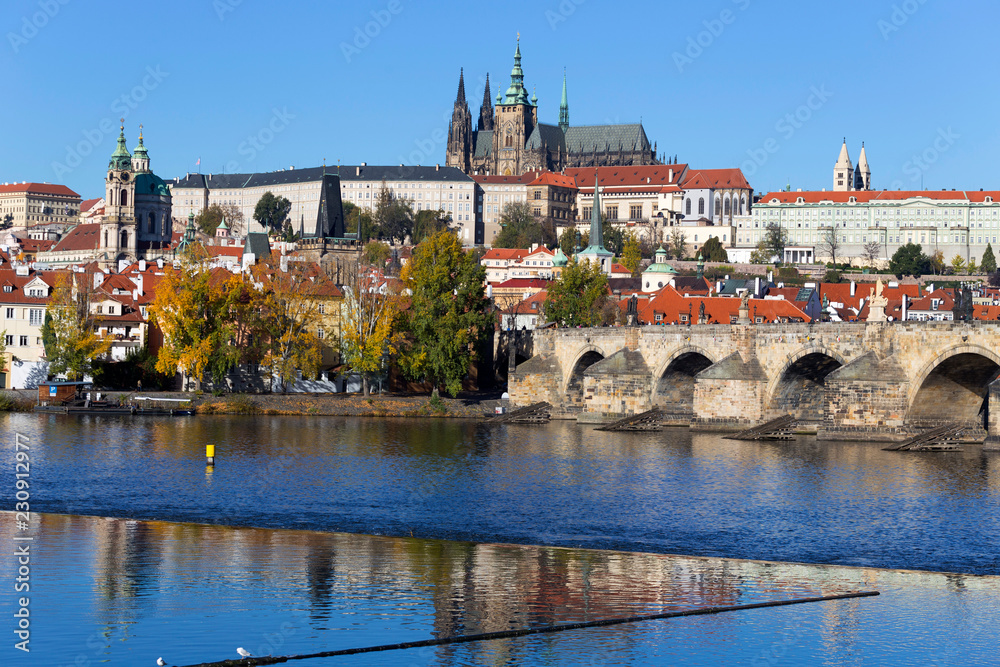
(670,305)
(715,178)
(81,237)
(841,292)
(38,188)
(553,178)
(519,283)
(815,197)
(637,175)
(88,204)
(509,254)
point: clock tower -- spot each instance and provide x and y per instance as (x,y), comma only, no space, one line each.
(118,231)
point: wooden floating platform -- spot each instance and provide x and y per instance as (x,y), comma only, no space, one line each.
(781,428)
(651,420)
(940,439)
(537,413)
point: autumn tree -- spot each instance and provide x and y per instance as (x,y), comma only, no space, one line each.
(578,297)
(369,309)
(829,244)
(272,212)
(192,308)
(677,244)
(936,262)
(449,318)
(289,305)
(428,223)
(519,227)
(957,264)
(376,253)
(74,345)
(632,253)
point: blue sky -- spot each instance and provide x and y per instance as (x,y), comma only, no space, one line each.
(248,85)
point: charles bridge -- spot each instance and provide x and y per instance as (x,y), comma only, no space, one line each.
(871,381)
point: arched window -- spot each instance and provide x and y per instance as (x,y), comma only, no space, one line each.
(726,208)
(105,238)
(152,223)
(687,207)
(743,205)
(124,243)
(508,141)
(718,207)
(124,198)
(701,206)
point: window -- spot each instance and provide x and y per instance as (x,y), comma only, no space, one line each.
(100,310)
(320,333)
(8,288)
(701,206)
(538,194)
(322,309)
(612,212)
(635,211)
(9,340)
(687,207)
(23,342)
(35,316)
(10,313)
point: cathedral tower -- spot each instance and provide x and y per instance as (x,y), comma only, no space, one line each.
(843,171)
(516,117)
(118,228)
(460,131)
(862,173)
(486,110)
(564,107)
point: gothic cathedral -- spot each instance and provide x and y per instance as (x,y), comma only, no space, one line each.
(509,140)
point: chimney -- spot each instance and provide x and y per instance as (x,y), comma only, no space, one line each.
(756,286)
(138,284)
(142,265)
(670,175)
(854,287)
(770,276)
(718,286)
(159,262)
(437,167)
(905,304)
(357,171)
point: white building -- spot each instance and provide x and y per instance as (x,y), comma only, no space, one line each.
(955,222)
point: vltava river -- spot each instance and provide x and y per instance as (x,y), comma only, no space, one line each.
(558,484)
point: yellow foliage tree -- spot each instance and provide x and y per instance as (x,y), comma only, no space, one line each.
(74,344)
(368,311)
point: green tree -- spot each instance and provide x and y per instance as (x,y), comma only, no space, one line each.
(7,222)
(3,351)
(74,343)
(909,259)
(393,216)
(936,262)
(449,319)
(614,240)
(632,253)
(359,221)
(971,267)
(428,223)
(775,240)
(761,254)
(519,227)
(376,253)
(272,212)
(989,263)
(209,219)
(567,241)
(712,251)
(578,297)
(957,264)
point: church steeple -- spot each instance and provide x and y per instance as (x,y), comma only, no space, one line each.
(459,150)
(843,171)
(486,110)
(121,160)
(596,232)
(516,93)
(140,158)
(564,107)
(460,98)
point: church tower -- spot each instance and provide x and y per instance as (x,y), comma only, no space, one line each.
(564,108)
(118,228)
(516,117)
(862,174)
(843,171)
(486,110)
(460,131)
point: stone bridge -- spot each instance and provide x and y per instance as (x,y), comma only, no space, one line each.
(851,380)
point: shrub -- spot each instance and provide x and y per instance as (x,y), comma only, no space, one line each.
(242,404)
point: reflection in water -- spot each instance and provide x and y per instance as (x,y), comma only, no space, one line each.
(122,591)
(557,484)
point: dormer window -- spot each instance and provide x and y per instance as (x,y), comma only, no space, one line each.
(8,288)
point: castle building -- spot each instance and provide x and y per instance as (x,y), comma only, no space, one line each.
(510,140)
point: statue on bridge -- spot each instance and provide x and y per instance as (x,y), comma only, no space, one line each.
(877,304)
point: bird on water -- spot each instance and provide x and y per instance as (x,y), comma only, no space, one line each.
(161,662)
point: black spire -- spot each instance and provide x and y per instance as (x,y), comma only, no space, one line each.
(460,98)
(486,110)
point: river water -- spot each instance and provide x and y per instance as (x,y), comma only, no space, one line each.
(459,527)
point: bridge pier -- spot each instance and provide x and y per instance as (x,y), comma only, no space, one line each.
(730,394)
(992,443)
(867,399)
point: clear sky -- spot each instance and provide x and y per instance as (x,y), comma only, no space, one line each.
(248,85)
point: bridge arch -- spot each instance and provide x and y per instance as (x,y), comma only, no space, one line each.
(572,386)
(799,388)
(953,386)
(674,379)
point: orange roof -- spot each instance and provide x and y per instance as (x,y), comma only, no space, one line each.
(226,250)
(662,174)
(88,204)
(841,292)
(558,180)
(715,178)
(17,295)
(522,179)
(510,254)
(516,283)
(81,237)
(670,305)
(38,188)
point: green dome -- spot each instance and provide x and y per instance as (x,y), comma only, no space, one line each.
(120,159)
(560,258)
(660,265)
(140,150)
(150,184)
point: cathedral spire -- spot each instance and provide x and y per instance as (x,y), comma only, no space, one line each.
(564,107)
(516,93)
(486,110)
(596,233)
(460,98)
